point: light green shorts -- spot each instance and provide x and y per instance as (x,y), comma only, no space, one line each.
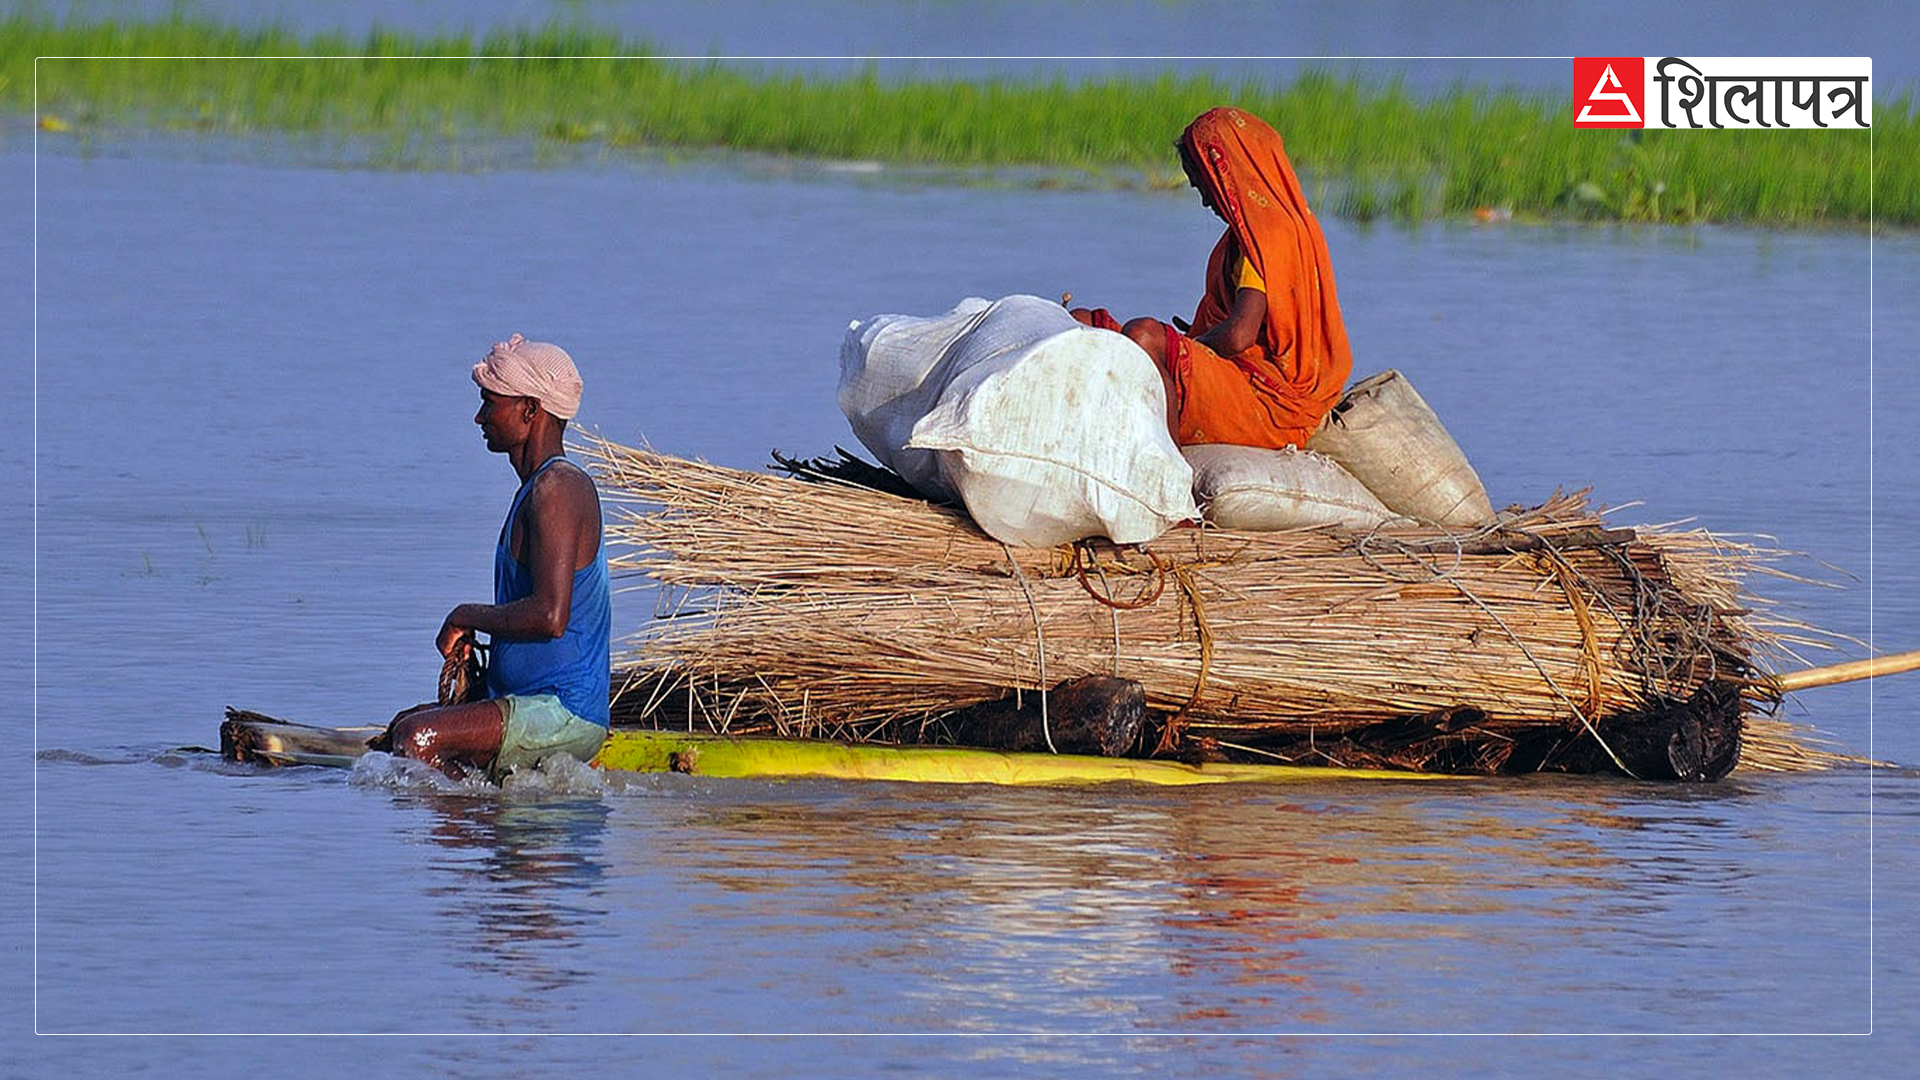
(538,726)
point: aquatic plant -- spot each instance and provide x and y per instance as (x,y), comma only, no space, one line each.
(1382,150)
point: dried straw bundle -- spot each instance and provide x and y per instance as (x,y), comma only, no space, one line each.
(823,608)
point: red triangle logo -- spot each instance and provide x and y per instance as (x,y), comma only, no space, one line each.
(1609,91)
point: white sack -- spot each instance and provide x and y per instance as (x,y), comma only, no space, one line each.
(1247,487)
(1387,436)
(892,370)
(1046,430)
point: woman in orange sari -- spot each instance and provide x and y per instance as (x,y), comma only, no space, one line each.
(1266,356)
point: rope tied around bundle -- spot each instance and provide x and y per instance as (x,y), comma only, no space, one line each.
(1589,637)
(1189,588)
(1081,557)
(1040,643)
(1688,627)
(1528,540)
(463,675)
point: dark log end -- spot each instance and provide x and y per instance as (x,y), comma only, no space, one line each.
(240,736)
(1695,739)
(1093,714)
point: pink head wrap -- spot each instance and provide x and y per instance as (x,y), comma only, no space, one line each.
(520,368)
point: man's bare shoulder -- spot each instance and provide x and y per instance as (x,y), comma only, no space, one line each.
(564,484)
(563,502)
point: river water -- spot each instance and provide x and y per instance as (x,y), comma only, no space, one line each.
(256,482)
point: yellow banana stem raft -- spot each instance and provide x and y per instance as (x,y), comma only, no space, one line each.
(718,755)
(249,736)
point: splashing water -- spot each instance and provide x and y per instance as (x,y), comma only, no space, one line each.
(560,774)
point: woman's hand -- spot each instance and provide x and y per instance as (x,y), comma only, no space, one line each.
(1241,328)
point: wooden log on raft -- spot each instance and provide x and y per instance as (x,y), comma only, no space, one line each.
(1093,714)
(829,609)
(247,736)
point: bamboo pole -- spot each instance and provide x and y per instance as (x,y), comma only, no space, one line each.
(1890,664)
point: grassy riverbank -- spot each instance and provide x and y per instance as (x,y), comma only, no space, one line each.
(1370,150)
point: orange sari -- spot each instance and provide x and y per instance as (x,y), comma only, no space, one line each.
(1276,392)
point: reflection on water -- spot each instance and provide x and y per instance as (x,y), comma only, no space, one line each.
(1125,910)
(518,872)
(694,904)
(523,876)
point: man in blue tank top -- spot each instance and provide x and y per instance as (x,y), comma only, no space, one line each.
(551,616)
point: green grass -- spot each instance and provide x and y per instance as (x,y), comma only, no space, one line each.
(1367,150)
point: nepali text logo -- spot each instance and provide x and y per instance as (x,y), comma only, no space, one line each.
(1775,92)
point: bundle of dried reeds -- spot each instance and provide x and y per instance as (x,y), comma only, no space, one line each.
(825,608)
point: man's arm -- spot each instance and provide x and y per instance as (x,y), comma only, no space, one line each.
(557,513)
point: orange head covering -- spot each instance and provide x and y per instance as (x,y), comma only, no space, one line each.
(1252,185)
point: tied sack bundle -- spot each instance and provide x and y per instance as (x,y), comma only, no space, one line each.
(1045,430)
(1385,434)
(1259,490)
